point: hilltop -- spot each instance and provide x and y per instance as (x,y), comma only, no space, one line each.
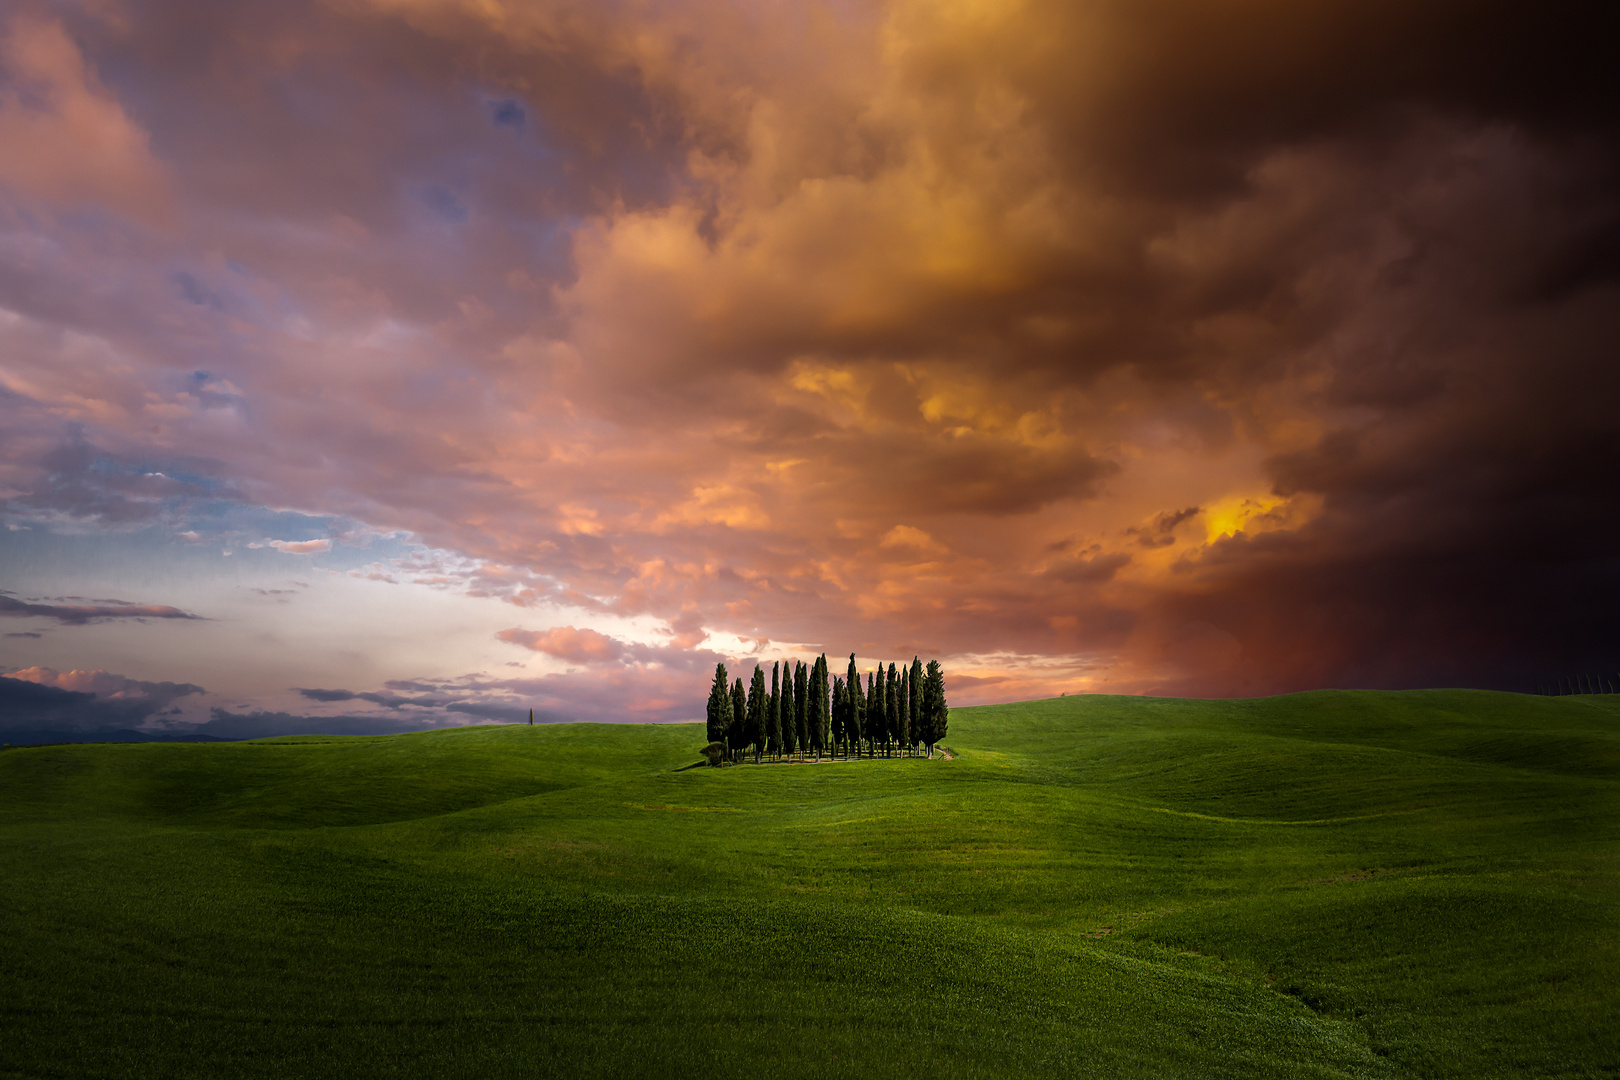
(1333,884)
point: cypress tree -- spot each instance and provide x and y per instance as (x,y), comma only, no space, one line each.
(822,711)
(874,716)
(719,706)
(839,705)
(916,701)
(826,701)
(739,717)
(800,679)
(852,722)
(754,731)
(935,711)
(784,708)
(812,709)
(885,729)
(891,705)
(531,718)
(773,715)
(905,709)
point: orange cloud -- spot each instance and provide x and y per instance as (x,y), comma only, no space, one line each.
(577,646)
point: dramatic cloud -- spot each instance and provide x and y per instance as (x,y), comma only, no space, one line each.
(39,704)
(1157,346)
(107,686)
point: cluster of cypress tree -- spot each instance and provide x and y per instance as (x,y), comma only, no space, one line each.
(896,711)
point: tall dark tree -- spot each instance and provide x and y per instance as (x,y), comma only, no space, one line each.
(739,719)
(916,701)
(719,713)
(773,714)
(882,706)
(790,729)
(852,722)
(801,679)
(812,713)
(840,706)
(934,709)
(905,709)
(821,709)
(874,715)
(891,706)
(754,729)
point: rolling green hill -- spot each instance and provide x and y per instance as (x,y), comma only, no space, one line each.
(1334,884)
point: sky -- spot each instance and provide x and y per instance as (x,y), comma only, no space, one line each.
(377,364)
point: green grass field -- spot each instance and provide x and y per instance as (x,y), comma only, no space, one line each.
(1334,884)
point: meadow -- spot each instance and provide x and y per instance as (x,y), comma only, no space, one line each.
(1332,884)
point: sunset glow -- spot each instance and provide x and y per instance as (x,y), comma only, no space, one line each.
(370,364)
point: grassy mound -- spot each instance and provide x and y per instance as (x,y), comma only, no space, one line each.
(1336,884)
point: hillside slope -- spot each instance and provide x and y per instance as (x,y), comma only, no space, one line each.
(1335,884)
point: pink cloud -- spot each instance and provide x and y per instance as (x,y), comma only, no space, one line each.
(577,646)
(64,138)
(300,547)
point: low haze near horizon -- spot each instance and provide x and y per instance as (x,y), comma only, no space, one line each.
(370,364)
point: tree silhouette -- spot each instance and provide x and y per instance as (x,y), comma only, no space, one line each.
(916,701)
(891,706)
(903,709)
(852,721)
(739,718)
(839,707)
(754,729)
(790,728)
(934,710)
(719,706)
(773,714)
(801,679)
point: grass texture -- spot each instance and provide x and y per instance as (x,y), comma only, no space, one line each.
(1333,884)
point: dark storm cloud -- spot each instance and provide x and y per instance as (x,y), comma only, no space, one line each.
(34,706)
(40,705)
